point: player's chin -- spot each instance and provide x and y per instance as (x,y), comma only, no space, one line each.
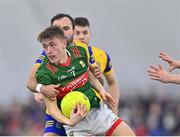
(53,61)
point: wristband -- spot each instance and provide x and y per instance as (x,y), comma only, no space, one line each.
(38,87)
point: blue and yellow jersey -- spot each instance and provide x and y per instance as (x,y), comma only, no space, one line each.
(94,55)
(40,59)
(97,55)
(103,59)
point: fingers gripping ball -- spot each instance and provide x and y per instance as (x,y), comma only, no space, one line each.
(69,101)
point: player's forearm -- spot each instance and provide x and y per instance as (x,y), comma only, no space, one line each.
(32,82)
(177,64)
(55,112)
(101,80)
(113,86)
(95,82)
(114,91)
(174,78)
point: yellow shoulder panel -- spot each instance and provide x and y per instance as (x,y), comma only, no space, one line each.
(78,43)
(100,57)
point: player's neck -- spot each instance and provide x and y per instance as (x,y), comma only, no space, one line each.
(64,58)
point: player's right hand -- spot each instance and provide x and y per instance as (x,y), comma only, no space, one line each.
(50,91)
(77,114)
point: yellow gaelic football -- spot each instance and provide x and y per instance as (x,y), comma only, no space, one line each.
(69,101)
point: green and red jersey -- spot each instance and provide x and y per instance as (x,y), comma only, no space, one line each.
(72,76)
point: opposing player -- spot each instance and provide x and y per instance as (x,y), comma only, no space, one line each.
(66,23)
(82,33)
(69,68)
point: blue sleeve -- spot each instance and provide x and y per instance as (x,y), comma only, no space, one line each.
(109,64)
(41,58)
(92,58)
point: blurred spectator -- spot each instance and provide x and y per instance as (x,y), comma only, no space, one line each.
(21,119)
(148,116)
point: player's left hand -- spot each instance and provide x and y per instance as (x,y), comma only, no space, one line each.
(77,114)
(107,98)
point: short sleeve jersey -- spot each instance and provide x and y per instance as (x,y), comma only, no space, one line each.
(72,76)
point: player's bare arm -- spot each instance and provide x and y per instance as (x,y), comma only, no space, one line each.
(32,82)
(55,112)
(160,74)
(113,89)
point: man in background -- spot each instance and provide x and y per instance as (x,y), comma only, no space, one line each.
(82,33)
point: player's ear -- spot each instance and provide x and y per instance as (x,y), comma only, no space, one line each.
(64,43)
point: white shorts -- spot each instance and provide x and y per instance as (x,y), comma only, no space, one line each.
(97,122)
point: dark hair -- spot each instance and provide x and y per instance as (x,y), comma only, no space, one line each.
(62,15)
(81,21)
(50,32)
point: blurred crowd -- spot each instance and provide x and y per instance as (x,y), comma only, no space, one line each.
(20,119)
(147,116)
(152,115)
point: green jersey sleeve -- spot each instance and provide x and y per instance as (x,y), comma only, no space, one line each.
(43,77)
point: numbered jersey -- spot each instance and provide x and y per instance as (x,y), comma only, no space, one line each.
(73,75)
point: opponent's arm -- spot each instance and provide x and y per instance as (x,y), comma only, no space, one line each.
(113,89)
(49,91)
(32,82)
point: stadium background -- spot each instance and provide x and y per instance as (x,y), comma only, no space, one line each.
(131,31)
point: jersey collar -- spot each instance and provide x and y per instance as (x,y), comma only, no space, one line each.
(68,60)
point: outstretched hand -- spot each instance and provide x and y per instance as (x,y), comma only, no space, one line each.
(169,60)
(158,73)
